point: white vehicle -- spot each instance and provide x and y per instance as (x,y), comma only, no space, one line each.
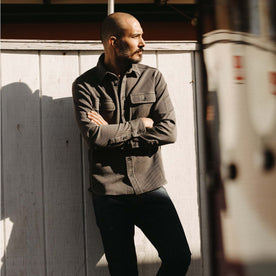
(240,60)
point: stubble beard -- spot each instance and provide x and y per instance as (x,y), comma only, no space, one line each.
(125,59)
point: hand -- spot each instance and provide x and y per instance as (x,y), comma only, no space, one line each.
(148,122)
(96,118)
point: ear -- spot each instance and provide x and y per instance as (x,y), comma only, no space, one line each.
(113,41)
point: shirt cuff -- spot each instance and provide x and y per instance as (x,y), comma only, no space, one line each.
(137,127)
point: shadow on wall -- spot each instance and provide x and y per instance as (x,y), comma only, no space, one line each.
(47,218)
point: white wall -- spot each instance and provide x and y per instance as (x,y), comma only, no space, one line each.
(47,221)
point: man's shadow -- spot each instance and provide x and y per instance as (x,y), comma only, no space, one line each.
(47,217)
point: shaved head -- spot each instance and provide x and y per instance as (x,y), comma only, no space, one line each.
(121,35)
(115,25)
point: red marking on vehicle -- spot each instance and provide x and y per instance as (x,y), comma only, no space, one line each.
(238,68)
(237,61)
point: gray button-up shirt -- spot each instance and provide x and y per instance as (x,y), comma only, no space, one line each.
(124,156)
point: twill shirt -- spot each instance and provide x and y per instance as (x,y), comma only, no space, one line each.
(124,156)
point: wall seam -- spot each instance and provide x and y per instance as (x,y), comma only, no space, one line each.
(196,136)
(83,190)
(201,168)
(42,169)
(2,206)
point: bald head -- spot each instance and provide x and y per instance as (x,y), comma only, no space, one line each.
(115,25)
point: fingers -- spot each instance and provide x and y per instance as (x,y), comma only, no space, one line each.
(148,122)
(96,118)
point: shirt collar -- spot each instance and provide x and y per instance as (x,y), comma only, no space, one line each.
(103,72)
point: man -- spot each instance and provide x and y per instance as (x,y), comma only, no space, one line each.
(125,114)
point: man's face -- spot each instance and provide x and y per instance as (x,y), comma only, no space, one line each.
(131,44)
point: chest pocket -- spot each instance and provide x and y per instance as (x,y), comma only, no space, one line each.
(141,104)
(107,109)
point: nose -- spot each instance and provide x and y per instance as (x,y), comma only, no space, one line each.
(142,42)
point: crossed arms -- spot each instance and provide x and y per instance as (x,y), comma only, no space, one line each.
(158,130)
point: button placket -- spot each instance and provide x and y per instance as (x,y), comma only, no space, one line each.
(122,98)
(131,175)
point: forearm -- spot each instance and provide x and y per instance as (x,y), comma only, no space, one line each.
(162,133)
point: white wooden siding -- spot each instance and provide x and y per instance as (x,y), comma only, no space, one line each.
(47,221)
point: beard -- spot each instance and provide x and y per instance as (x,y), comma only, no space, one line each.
(126,58)
(136,57)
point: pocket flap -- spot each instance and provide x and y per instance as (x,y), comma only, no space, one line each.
(143,98)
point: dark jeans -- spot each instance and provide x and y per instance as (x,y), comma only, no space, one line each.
(155,214)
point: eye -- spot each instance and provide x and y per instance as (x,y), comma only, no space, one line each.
(136,36)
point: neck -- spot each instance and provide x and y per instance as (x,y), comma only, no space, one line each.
(115,66)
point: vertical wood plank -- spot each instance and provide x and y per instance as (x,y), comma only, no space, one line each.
(61,166)
(21,156)
(180,157)
(96,263)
